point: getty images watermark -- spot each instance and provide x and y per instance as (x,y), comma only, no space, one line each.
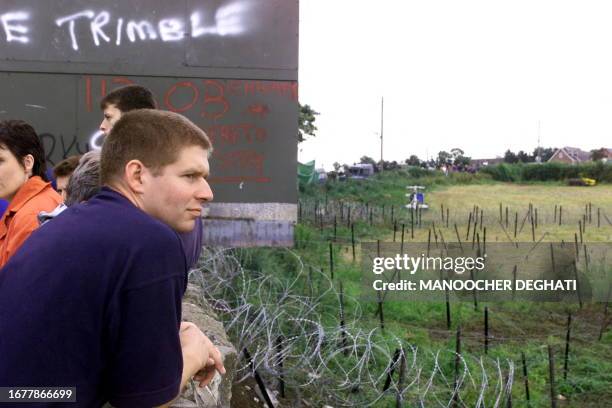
(497,272)
(458,265)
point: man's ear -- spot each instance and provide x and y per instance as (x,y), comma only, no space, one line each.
(28,163)
(134,171)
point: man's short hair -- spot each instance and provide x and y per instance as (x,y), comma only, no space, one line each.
(66,166)
(129,98)
(154,137)
(85,180)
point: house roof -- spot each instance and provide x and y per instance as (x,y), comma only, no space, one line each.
(577,153)
(574,153)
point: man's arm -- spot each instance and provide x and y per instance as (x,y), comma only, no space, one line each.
(200,358)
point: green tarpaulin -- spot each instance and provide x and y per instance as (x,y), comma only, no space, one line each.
(307,173)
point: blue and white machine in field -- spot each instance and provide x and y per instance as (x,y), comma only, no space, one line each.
(416,198)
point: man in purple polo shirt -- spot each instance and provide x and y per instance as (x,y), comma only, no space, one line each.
(126,99)
(105,317)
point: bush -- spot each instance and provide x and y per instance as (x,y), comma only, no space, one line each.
(600,172)
(504,172)
(550,172)
(469,178)
(418,172)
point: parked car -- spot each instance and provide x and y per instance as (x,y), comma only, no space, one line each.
(583,181)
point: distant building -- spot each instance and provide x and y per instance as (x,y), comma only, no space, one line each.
(570,155)
(361,170)
(478,163)
(608,157)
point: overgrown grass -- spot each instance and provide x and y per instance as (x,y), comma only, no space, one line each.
(515,327)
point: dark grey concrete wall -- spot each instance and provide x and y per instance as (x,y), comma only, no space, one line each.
(252,123)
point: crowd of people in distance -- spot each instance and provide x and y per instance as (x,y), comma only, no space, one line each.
(93,271)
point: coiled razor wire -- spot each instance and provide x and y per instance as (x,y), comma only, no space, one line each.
(299,337)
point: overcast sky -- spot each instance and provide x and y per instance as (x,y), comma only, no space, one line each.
(473,74)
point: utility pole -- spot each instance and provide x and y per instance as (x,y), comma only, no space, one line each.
(538,157)
(382,115)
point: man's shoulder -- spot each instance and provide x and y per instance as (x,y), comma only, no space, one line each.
(110,218)
(103,231)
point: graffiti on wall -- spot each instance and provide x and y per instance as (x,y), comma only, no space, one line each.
(235,114)
(104,27)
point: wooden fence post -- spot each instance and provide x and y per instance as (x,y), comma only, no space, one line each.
(567,345)
(258,379)
(380,310)
(515,223)
(331,260)
(281,377)
(335,228)
(457,363)
(526,379)
(411,223)
(598,217)
(604,320)
(342,322)
(391,369)
(353,240)
(486,330)
(402,244)
(507,217)
(448,311)
(514,270)
(348,217)
(551,372)
(458,238)
(394,229)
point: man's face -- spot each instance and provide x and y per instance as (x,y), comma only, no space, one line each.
(111,116)
(61,182)
(175,196)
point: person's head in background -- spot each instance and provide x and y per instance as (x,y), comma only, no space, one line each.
(21,156)
(85,180)
(123,100)
(159,161)
(62,172)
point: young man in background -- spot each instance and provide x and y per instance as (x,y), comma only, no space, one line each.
(62,172)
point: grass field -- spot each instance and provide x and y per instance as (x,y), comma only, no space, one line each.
(544,197)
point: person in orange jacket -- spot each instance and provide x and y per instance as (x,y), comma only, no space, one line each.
(23,184)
